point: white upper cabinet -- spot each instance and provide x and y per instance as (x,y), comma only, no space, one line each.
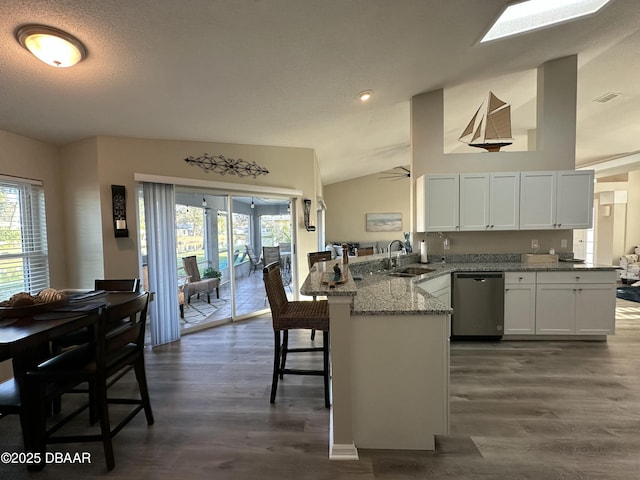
(556,200)
(437,200)
(504,201)
(537,200)
(575,199)
(474,201)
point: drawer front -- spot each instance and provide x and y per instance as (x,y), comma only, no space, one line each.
(517,278)
(577,276)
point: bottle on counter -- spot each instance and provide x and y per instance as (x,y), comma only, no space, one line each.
(345,254)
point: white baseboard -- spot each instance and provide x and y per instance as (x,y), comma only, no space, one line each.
(340,451)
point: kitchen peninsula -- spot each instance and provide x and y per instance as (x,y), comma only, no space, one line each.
(390,345)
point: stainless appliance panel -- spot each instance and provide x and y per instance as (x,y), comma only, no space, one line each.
(478,304)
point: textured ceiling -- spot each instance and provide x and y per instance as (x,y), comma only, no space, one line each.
(287,72)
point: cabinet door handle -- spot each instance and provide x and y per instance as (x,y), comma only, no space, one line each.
(487,226)
(506,290)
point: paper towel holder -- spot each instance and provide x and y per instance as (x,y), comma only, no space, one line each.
(424,257)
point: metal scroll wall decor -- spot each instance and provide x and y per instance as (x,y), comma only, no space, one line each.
(222,165)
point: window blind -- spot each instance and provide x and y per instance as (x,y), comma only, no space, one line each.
(24,262)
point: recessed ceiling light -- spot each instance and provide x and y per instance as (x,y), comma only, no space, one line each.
(51,45)
(535,14)
(365,95)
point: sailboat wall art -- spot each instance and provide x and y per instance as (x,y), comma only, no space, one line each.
(490,127)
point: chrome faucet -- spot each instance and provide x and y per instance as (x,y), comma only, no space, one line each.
(389,259)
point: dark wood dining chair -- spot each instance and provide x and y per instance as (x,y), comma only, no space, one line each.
(10,404)
(82,336)
(107,284)
(118,285)
(118,344)
(295,315)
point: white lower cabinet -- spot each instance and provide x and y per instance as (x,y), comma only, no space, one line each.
(560,303)
(575,303)
(519,303)
(555,309)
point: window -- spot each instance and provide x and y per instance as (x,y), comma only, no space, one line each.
(190,232)
(275,229)
(24,261)
(241,236)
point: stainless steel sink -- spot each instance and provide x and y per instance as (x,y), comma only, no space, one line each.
(410,272)
(416,270)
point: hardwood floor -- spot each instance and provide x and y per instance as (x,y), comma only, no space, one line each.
(519,410)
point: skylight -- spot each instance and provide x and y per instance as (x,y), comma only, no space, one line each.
(535,14)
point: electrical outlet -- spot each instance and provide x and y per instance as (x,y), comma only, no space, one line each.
(563,243)
(534,244)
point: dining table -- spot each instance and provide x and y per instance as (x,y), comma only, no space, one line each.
(26,340)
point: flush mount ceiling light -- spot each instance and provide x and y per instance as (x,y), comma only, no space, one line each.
(51,45)
(535,14)
(365,95)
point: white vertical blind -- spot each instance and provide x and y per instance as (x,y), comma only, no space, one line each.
(160,226)
(24,262)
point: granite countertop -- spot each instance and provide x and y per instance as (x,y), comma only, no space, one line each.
(377,293)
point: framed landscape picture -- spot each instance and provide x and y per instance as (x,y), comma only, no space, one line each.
(384,222)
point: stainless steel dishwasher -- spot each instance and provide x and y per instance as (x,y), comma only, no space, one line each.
(478,304)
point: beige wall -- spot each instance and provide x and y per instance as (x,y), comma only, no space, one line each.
(24,157)
(84,243)
(610,221)
(555,150)
(348,202)
(117,159)
(78,178)
(632,237)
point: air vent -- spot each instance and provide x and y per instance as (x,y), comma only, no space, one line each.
(607,97)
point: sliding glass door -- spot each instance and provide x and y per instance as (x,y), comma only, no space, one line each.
(259,222)
(226,234)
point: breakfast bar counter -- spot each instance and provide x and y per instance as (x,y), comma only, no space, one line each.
(390,347)
(389,361)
